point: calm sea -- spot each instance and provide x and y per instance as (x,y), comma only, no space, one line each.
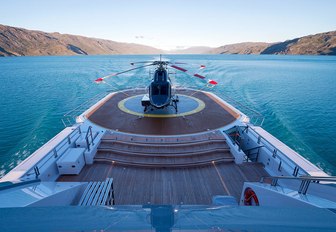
(295,94)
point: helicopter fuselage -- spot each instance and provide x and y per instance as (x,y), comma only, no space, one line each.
(160,94)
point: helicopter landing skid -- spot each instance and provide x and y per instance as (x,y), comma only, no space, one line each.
(174,102)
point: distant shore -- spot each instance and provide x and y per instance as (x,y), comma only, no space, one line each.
(22,42)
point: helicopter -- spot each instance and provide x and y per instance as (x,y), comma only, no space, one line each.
(160,89)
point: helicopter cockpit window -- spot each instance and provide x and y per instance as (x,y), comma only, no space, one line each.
(160,76)
(164,89)
(156,89)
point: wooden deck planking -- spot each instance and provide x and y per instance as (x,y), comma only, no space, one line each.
(169,185)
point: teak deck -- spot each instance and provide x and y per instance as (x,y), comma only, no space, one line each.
(189,166)
(172,185)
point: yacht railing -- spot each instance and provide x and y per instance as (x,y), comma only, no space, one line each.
(249,153)
(305,181)
(277,154)
(69,118)
(255,117)
(7,185)
(54,153)
(87,136)
(264,143)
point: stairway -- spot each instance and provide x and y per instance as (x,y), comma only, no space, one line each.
(161,152)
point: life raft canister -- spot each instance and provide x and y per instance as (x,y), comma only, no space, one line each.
(250,197)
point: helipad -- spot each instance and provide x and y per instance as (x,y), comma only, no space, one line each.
(197,112)
(187,105)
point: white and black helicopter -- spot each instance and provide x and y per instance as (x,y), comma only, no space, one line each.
(160,89)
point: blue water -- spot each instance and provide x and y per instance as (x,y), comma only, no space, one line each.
(295,94)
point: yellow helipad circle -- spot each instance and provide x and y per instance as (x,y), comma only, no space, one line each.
(200,107)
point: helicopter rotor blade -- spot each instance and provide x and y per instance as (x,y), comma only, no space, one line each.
(202,66)
(101,79)
(178,68)
(178,63)
(141,62)
(199,76)
(210,82)
(186,71)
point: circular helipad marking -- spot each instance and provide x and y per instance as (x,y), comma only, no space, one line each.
(187,105)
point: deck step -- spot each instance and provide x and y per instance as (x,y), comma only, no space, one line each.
(168,140)
(173,151)
(162,144)
(184,164)
(162,160)
(161,153)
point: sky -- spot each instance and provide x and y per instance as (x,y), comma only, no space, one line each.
(172,24)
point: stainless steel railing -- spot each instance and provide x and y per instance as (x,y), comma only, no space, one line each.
(69,118)
(277,154)
(87,136)
(305,181)
(256,118)
(55,152)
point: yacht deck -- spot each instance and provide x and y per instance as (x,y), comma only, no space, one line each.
(164,157)
(195,185)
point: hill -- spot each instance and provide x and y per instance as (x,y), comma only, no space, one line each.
(21,42)
(319,44)
(241,48)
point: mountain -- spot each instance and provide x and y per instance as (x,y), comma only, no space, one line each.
(191,50)
(241,48)
(319,44)
(21,42)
